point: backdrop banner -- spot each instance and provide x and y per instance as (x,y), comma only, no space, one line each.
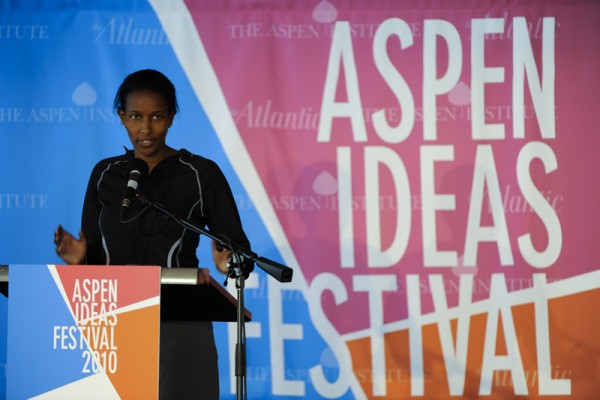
(427,168)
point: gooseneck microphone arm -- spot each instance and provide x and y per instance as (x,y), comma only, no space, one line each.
(278,271)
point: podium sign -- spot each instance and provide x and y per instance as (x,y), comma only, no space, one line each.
(83,332)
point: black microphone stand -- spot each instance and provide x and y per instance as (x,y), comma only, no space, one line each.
(240,347)
(278,271)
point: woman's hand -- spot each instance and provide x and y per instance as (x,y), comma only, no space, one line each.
(221,258)
(71,250)
(203,276)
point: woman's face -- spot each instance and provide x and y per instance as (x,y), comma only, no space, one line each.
(147,120)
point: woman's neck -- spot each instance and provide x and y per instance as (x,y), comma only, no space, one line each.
(155,159)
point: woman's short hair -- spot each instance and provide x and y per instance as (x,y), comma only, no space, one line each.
(147,79)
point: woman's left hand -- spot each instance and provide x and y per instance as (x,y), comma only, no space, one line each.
(221,258)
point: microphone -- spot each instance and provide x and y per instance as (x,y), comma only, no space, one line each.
(137,169)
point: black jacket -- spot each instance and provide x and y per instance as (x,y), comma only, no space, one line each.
(189,186)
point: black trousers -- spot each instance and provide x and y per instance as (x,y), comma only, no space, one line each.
(188,367)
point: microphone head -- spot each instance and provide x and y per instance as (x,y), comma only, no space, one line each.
(138,165)
(137,169)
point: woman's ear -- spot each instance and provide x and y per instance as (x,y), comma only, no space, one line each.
(121,113)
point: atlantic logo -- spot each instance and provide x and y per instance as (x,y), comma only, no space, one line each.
(127,32)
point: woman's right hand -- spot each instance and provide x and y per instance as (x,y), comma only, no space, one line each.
(71,250)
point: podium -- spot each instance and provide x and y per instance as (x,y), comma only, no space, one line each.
(183,298)
(107,316)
